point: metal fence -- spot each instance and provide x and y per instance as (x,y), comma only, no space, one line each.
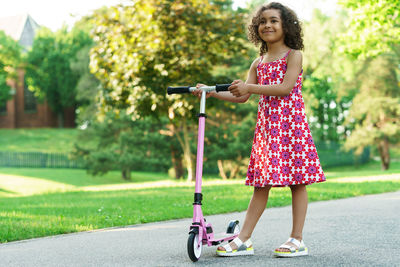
(330,154)
(37,160)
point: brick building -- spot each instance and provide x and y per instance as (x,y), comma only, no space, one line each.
(22,110)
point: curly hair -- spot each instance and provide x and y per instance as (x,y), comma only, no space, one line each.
(290,24)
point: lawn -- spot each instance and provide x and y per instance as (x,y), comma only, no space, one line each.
(44,140)
(43,202)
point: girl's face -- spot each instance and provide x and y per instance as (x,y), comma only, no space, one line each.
(270,28)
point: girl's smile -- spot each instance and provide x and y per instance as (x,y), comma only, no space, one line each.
(270,27)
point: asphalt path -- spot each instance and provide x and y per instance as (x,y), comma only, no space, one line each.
(361,231)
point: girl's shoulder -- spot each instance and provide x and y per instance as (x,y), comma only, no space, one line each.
(295,53)
(256,62)
(295,56)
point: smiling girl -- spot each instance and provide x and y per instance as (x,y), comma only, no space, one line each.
(283,151)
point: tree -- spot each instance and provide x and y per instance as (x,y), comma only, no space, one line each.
(374,27)
(10,59)
(229,137)
(376,109)
(373,36)
(88,86)
(143,48)
(117,143)
(49,74)
(329,77)
(327,109)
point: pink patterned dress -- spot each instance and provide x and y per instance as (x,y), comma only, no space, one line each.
(283,151)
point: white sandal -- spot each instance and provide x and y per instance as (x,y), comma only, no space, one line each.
(302,250)
(242,250)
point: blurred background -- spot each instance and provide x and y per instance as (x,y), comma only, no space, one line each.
(83,84)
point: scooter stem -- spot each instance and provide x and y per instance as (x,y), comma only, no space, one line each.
(200,142)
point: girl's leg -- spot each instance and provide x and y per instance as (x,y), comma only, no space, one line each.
(256,207)
(299,210)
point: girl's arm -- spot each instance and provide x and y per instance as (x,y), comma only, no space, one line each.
(228,96)
(294,66)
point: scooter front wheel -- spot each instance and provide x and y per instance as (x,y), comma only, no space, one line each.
(193,246)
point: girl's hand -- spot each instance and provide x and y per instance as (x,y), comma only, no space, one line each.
(198,92)
(238,88)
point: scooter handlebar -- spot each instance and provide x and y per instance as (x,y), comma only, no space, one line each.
(222,87)
(187,89)
(178,90)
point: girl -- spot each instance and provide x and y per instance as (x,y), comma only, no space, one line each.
(283,151)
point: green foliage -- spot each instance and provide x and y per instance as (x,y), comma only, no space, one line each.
(87,88)
(4,88)
(229,136)
(10,58)
(374,27)
(376,109)
(362,90)
(49,72)
(327,112)
(145,47)
(118,143)
(330,78)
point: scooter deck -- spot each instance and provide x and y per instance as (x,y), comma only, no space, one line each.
(222,237)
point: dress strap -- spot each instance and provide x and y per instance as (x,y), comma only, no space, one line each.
(261,59)
(288,52)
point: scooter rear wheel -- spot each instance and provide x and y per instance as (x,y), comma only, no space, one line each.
(233,227)
(194,250)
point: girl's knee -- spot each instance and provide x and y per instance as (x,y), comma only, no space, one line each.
(262,189)
(298,187)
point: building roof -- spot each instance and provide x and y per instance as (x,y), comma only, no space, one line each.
(20,27)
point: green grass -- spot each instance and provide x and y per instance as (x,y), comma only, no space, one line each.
(57,213)
(370,169)
(38,140)
(43,202)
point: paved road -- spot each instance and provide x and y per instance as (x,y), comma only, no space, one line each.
(362,231)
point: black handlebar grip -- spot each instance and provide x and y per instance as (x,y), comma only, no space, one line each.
(222,87)
(178,90)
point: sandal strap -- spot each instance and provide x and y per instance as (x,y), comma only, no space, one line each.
(294,241)
(238,242)
(291,248)
(228,247)
(248,243)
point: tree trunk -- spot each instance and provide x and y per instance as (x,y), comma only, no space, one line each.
(126,174)
(234,170)
(383,148)
(187,154)
(221,170)
(60,119)
(176,163)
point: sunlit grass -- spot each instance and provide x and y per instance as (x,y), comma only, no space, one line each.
(38,140)
(15,182)
(42,202)
(371,168)
(56,213)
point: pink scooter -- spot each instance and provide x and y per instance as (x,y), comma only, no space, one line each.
(201,233)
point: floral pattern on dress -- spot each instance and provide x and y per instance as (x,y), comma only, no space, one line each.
(283,151)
